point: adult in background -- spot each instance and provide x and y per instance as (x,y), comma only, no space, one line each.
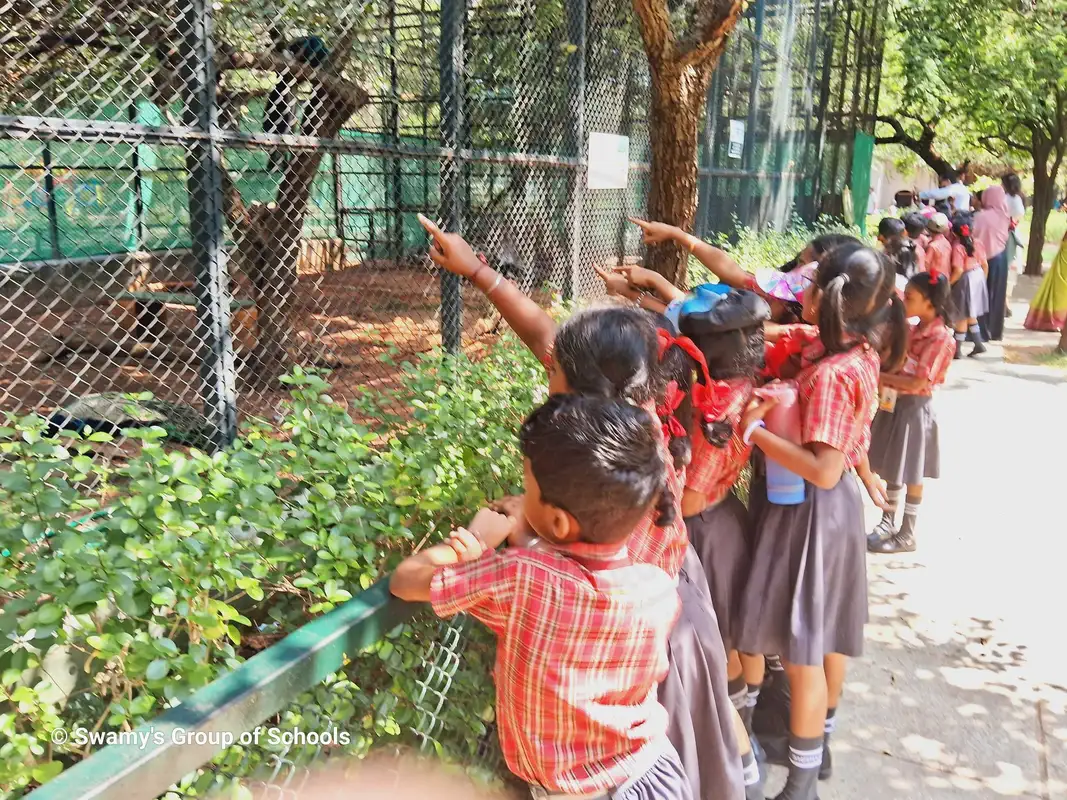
(1013,188)
(992,228)
(951,189)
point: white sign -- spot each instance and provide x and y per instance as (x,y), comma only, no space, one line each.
(609,161)
(737,138)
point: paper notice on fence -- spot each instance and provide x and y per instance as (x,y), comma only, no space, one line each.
(737,138)
(609,161)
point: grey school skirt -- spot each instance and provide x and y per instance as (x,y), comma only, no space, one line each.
(970,297)
(695,694)
(904,442)
(806,594)
(720,537)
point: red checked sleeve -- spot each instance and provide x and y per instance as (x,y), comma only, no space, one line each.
(485,588)
(832,408)
(959,258)
(934,359)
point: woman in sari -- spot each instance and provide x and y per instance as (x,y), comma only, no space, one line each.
(1048,309)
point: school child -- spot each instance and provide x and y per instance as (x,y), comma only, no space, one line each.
(811,609)
(899,249)
(724,344)
(939,246)
(915,226)
(970,297)
(614,353)
(904,443)
(582,630)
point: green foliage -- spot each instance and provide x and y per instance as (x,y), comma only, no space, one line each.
(200,556)
(769,248)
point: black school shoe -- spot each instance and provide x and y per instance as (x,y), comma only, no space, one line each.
(901,542)
(979,348)
(882,531)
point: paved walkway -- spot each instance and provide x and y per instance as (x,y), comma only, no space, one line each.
(963,690)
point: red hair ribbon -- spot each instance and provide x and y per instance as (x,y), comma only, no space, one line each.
(965,230)
(672,399)
(710,396)
(788,347)
(935,275)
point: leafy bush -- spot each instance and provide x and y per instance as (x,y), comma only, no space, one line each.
(769,248)
(201,560)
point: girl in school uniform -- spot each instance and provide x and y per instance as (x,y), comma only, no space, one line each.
(615,353)
(904,442)
(806,596)
(970,296)
(723,345)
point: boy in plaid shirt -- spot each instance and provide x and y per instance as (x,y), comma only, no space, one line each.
(582,630)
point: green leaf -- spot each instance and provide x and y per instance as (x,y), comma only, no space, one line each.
(43,773)
(187,493)
(49,613)
(157,670)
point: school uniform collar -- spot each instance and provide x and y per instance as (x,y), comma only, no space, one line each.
(926,330)
(596,557)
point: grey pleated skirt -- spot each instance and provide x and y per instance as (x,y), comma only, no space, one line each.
(806,594)
(695,694)
(720,537)
(666,780)
(970,297)
(904,443)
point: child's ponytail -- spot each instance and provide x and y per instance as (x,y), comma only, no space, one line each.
(961,227)
(833,326)
(704,397)
(859,303)
(674,408)
(666,506)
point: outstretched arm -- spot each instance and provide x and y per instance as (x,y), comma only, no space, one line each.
(529,321)
(717,261)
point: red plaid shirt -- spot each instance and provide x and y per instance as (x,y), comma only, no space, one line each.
(714,470)
(581,648)
(939,255)
(962,261)
(931,348)
(920,256)
(837,396)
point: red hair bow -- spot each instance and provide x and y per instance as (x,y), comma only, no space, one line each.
(935,275)
(672,399)
(708,396)
(965,230)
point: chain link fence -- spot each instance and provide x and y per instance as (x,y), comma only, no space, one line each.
(198,196)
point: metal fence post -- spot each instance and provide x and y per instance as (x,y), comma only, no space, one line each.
(453,24)
(204,164)
(577,20)
(749,149)
(50,200)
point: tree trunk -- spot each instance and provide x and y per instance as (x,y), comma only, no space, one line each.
(678,95)
(1044,195)
(274,239)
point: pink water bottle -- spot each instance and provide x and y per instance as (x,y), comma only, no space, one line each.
(784,487)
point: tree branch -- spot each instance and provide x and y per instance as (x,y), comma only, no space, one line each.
(899,135)
(712,21)
(655,26)
(987,143)
(273,62)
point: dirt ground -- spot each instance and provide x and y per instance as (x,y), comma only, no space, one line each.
(347,320)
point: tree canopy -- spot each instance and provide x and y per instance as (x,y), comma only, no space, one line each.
(988,74)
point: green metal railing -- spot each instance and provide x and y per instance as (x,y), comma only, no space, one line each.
(250,695)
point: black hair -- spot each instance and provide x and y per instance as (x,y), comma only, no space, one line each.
(903,256)
(1012,184)
(820,246)
(958,223)
(731,339)
(951,175)
(937,290)
(610,353)
(942,207)
(674,365)
(599,460)
(859,301)
(914,224)
(891,228)
(904,198)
